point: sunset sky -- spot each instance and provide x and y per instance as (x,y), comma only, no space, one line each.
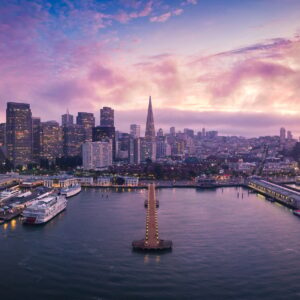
(228,65)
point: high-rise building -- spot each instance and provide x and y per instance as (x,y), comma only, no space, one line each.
(148,144)
(96,155)
(2,134)
(282,135)
(289,135)
(107,117)
(135,131)
(67,119)
(172,131)
(36,139)
(51,140)
(87,121)
(102,133)
(73,138)
(160,132)
(189,132)
(19,133)
(150,129)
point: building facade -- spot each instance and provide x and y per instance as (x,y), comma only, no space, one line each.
(19,133)
(96,155)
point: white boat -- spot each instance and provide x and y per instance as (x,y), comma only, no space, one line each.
(7,194)
(71,190)
(296,212)
(44,210)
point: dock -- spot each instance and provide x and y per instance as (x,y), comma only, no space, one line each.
(151,241)
(284,195)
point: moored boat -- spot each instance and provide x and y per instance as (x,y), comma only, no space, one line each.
(71,190)
(44,210)
(296,212)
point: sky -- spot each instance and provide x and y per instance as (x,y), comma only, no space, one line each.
(227,65)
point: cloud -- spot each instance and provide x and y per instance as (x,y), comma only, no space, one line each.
(166,16)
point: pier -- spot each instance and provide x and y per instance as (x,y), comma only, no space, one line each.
(284,195)
(151,240)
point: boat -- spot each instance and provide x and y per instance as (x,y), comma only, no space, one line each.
(7,194)
(296,212)
(71,190)
(44,210)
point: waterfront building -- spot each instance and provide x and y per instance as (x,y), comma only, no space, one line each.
(51,140)
(130,181)
(104,181)
(60,181)
(67,119)
(87,121)
(107,117)
(85,180)
(135,131)
(19,133)
(97,155)
(36,139)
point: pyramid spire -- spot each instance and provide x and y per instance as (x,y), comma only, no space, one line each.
(150,130)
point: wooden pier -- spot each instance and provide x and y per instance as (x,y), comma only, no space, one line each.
(151,240)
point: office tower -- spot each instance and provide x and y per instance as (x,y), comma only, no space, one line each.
(189,132)
(51,140)
(211,134)
(2,134)
(203,132)
(107,117)
(148,144)
(87,121)
(148,150)
(150,129)
(73,138)
(96,155)
(135,131)
(163,149)
(137,151)
(172,131)
(19,133)
(102,133)
(282,135)
(160,132)
(289,136)
(67,119)
(36,139)
(122,145)
(131,150)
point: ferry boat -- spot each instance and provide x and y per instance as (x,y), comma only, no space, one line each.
(296,212)
(7,194)
(71,190)
(44,210)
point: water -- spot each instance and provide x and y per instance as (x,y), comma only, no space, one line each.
(225,247)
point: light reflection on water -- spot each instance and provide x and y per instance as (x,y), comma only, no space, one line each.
(228,244)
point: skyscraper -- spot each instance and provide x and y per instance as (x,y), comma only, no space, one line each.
(36,139)
(73,138)
(103,133)
(87,121)
(107,117)
(135,131)
(150,130)
(51,140)
(148,144)
(19,133)
(67,119)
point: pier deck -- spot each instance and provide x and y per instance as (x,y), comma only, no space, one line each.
(151,240)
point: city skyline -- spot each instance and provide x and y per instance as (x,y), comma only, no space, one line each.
(230,67)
